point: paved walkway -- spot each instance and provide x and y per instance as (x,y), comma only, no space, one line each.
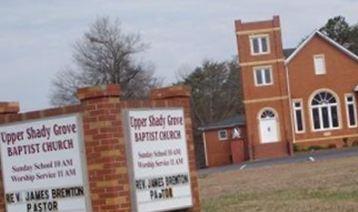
(297,158)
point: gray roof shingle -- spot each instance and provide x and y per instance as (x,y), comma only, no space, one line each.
(288,52)
(229,122)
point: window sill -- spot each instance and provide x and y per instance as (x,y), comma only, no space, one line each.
(259,54)
(270,142)
(326,130)
(263,85)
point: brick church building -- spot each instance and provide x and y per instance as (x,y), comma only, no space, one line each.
(299,97)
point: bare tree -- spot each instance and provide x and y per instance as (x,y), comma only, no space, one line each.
(216,91)
(105,55)
(216,95)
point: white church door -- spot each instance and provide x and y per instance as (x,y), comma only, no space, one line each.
(268,127)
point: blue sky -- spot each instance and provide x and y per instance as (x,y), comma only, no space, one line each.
(36,36)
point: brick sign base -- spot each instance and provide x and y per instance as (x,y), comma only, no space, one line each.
(105,146)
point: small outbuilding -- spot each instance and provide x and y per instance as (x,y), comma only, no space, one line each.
(224,141)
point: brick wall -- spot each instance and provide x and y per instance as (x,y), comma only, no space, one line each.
(6,109)
(340,78)
(107,165)
(220,152)
(256,98)
(105,148)
(104,140)
(302,82)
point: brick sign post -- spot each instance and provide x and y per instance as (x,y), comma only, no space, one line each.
(159,159)
(107,173)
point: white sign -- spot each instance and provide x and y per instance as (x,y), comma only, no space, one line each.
(159,156)
(42,165)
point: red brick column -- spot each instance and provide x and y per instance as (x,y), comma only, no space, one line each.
(105,148)
(6,109)
(179,96)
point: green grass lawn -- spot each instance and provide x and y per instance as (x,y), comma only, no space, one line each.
(330,185)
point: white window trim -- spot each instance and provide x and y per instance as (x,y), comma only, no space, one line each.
(347,111)
(260,45)
(262,68)
(295,118)
(321,121)
(222,138)
(324,63)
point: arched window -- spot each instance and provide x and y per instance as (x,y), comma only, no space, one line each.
(267,114)
(324,108)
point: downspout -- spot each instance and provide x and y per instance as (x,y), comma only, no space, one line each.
(205,150)
(290,106)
